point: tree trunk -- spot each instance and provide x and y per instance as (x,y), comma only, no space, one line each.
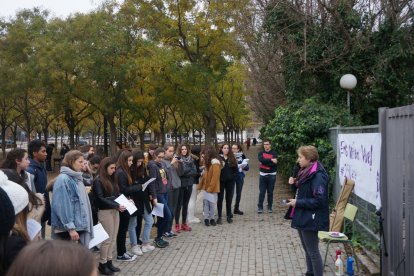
(112,135)
(3,141)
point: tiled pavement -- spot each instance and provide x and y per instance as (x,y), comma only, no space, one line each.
(254,244)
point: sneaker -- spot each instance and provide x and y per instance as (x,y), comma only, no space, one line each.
(169,235)
(132,255)
(147,248)
(270,210)
(125,258)
(160,243)
(229,220)
(212,222)
(206,222)
(260,210)
(219,221)
(186,227)
(136,250)
(177,228)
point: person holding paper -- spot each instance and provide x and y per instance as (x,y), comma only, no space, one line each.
(106,190)
(71,209)
(142,201)
(124,180)
(210,184)
(159,172)
(243,165)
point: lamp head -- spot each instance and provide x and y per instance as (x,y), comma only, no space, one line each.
(348,81)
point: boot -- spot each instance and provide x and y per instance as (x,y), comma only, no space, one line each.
(104,269)
(112,267)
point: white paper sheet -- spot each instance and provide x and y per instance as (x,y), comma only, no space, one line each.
(144,186)
(99,234)
(158,210)
(128,204)
(33,228)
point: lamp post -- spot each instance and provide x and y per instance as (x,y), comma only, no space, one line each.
(348,82)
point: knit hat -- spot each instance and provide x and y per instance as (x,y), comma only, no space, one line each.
(7,216)
(17,194)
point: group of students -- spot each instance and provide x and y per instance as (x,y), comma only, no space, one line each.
(85,192)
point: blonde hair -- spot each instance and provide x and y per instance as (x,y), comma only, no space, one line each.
(309,152)
(70,158)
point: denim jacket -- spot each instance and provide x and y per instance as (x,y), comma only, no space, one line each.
(68,210)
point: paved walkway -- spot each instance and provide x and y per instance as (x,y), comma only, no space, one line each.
(254,244)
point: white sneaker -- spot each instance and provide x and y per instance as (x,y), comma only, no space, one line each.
(132,255)
(147,248)
(136,250)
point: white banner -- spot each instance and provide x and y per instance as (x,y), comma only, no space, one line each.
(359,160)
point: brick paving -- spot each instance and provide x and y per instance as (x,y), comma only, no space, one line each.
(254,244)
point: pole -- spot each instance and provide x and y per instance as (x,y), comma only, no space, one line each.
(348,100)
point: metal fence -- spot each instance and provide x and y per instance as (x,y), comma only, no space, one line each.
(397,189)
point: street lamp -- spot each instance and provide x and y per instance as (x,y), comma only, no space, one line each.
(348,82)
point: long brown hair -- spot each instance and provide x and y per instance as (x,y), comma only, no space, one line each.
(123,164)
(209,154)
(230,155)
(53,257)
(141,171)
(178,152)
(20,226)
(109,184)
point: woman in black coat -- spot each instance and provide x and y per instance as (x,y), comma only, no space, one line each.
(311,209)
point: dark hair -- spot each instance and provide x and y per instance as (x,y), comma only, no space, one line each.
(95,159)
(10,161)
(209,154)
(239,147)
(158,151)
(53,257)
(138,172)
(15,177)
(180,147)
(35,146)
(85,148)
(109,184)
(196,150)
(70,158)
(123,164)
(266,140)
(230,155)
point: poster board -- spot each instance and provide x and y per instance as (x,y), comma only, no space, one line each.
(359,160)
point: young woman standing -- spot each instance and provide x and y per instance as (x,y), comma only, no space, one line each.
(142,200)
(242,167)
(124,179)
(189,170)
(227,182)
(210,184)
(106,190)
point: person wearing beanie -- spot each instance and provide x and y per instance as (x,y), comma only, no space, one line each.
(18,237)
(7,219)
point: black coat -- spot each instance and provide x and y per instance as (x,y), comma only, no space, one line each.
(312,205)
(102,201)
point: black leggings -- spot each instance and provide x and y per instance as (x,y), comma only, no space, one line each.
(227,186)
(183,199)
(123,228)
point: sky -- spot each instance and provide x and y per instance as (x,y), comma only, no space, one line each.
(59,8)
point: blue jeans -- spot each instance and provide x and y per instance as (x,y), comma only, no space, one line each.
(132,230)
(266,183)
(149,221)
(163,223)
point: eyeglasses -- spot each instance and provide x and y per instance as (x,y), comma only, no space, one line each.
(160,157)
